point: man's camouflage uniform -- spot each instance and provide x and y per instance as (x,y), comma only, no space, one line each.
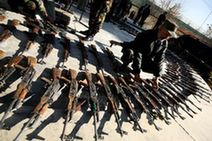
(26,5)
(98,12)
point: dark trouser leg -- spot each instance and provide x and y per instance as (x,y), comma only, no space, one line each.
(50,9)
(137,60)
(126,58)
(138,16)
(143,18)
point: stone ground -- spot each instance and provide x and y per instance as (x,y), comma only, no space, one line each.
(50,126)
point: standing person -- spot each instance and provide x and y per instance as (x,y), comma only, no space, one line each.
(139,13)
(145,14)
(68,4)
(160,20)
(110,15)
(123,9)
(98,12)
(147,51)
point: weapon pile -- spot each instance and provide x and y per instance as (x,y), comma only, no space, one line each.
(23,87)
(121,92)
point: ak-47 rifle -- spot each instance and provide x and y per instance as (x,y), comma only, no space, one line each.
(66,47)
(32,37)
(152,98)
(165,98)
(173,91)
(189,83)
(94,104)
(146,94)
(141,103)
(48,45)
(193,76)
(189,90)
(127,104)
(112,101)
(22,89)
(107,89)
(44,25)
(72,99)
(50,96)
(9,29)
(84,54)
(10,69)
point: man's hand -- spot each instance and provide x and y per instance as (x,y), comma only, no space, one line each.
(137,78)
(46,17)
(155,83)
(112,42)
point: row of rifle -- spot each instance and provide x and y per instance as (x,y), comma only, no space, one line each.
(36,27)
(128,91)
(172,94)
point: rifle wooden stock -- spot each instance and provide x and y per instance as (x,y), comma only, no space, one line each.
(56,73)
(52,89)
(88,76)
(2,17)
(43,109)
(73,74)
(113,80)
(21,91)
(32,61)
(40,105)
(25,85)
(102,78)
(5,35)
(2,54)
(15,22)
(15,60)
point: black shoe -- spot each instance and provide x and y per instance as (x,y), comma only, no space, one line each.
(84,32)
(89,38)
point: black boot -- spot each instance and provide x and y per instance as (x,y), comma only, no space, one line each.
(86,32)
(89,37)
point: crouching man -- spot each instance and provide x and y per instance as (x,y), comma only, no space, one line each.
(147,51)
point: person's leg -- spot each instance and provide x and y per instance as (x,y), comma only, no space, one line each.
(137,62)
(50,9)
(126,58)
(143,18)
